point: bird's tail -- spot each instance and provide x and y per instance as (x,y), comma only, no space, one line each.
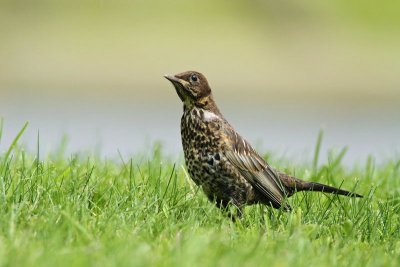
(313,186)
(294,185)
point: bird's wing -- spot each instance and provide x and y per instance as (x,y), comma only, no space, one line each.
(254,169)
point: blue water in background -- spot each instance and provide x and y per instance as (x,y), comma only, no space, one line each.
(125,127)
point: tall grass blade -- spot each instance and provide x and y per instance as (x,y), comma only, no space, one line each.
(317,151)
(13,144)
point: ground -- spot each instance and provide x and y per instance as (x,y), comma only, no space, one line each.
(77,210)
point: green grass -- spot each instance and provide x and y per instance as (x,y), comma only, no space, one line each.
(85,211)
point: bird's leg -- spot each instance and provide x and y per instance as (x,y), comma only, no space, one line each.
(232,210)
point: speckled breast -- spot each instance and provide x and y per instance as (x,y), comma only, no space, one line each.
(203,144)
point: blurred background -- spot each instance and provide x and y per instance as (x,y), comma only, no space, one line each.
(280,71)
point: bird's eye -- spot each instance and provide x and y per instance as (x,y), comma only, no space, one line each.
(194,78)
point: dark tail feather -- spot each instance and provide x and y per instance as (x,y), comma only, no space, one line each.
(294,185)
(312,186)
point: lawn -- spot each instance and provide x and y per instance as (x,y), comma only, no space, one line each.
(80,210)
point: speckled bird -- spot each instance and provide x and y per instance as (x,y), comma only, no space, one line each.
(222,162)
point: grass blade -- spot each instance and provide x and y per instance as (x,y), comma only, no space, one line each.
(317,151)
(13,144)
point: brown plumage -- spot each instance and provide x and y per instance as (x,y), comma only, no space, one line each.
(223,163)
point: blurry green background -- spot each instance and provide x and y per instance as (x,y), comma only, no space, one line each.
(280,71)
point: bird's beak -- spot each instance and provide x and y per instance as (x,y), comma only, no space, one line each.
(173,79)
(177,82)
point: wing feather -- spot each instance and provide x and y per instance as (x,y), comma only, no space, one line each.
(255,170)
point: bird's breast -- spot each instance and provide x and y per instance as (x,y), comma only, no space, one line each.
(200,131)
(201,141)
(204,142)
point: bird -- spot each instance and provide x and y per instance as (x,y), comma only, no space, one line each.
(222,162)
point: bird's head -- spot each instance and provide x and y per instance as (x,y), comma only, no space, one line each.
(192,87)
